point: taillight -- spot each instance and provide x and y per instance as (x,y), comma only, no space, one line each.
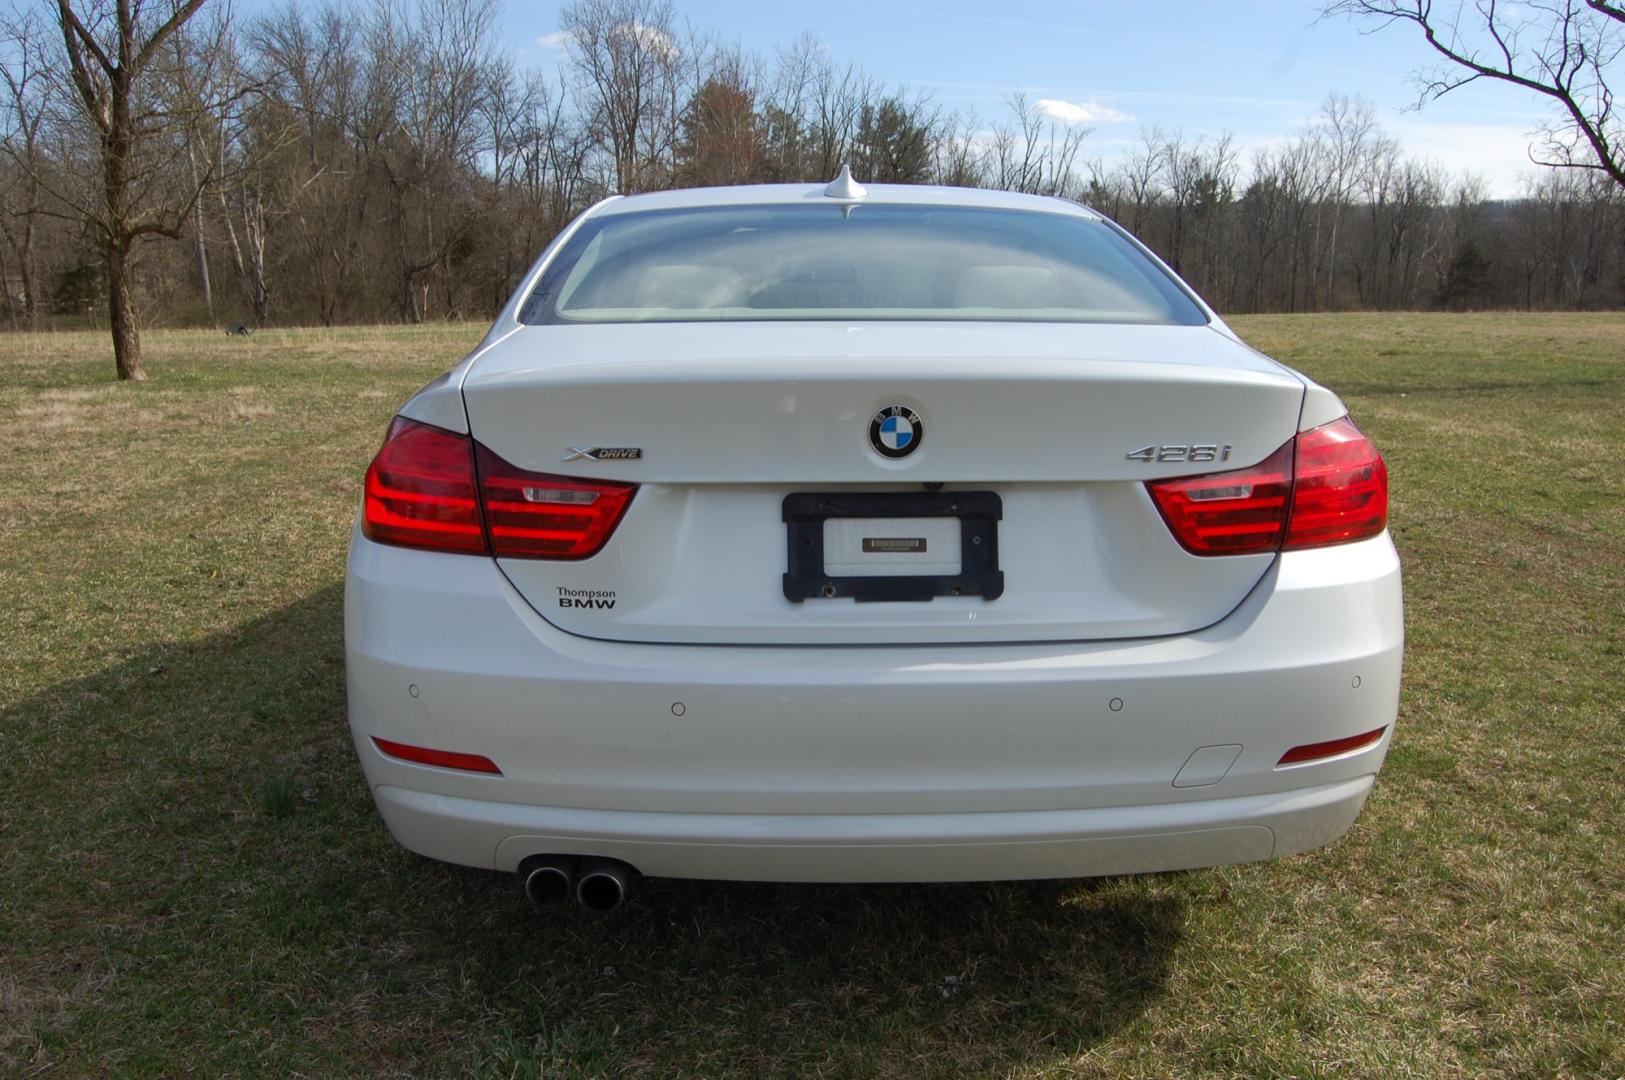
(1326,486)
(441,490)
(421,492)
(540,516)
(1230,513)
(1339,487)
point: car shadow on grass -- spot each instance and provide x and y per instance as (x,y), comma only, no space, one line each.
(200,801)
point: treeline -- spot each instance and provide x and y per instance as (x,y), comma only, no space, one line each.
(332,164)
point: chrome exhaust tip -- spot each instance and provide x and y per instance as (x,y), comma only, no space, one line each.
(549,880)
(602,885)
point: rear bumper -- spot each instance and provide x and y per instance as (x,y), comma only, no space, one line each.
(874,763)
(885,847)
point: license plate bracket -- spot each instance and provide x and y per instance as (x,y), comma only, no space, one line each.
(979,513)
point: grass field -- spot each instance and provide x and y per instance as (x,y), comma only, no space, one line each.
(193,879)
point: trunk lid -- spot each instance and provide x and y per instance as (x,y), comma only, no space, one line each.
(731,418)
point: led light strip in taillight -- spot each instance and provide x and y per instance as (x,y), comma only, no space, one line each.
(442,491)
(1327,485)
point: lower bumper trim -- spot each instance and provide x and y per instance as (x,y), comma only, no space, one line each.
(882,847)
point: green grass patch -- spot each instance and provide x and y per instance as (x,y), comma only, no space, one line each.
(193,879)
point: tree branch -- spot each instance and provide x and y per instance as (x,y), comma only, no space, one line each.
(175,21)
(1613,11)
(74,39)
(1562,63)
(70,21)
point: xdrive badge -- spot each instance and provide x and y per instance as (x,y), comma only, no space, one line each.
(604,453)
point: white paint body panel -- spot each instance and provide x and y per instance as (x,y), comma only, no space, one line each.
(731,418)
(703,564)
(791,402)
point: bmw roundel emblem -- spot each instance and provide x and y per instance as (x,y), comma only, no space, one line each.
(896,431)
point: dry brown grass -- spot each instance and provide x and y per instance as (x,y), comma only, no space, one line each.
(172,563)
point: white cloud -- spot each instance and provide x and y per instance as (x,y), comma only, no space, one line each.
(1079,112)
(651,38)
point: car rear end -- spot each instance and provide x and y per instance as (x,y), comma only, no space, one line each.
(772,539)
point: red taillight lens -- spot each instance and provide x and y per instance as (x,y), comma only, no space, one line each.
(420,491)
(540,516)
(1339,487)
(423,491)
(1326,486)
(1241,512)
(445,759)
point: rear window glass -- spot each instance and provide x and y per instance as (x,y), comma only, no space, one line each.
(757,263)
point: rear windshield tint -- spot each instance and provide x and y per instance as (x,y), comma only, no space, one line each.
(757,263)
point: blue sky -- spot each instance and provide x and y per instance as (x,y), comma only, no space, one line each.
(1257,70)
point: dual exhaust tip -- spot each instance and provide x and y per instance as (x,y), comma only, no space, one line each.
(552,881)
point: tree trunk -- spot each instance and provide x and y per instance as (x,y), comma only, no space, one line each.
(260,294)
(407,299)
(5,286)
(199,251)
(254,233)
(117,241)
(121,315)
(410,312)
(236,248)
(30,274)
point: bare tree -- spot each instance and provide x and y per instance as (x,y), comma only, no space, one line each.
(1262,209)
(1345,136)
(1399,198)
(1560,49)
(784,107)
(1142,175)
(312,73)
(836,116)
(625,56)
(1037,155)
(20,134)
(392,160)
(1201,186)
(960,160)
(209,57)
(111,51)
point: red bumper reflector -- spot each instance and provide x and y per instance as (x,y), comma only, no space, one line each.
(1315,751)
(445,759)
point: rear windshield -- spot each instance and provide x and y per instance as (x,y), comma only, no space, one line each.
(757,263)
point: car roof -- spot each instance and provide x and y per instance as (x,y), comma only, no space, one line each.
(875,194)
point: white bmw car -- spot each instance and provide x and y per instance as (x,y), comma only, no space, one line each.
(803,533)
